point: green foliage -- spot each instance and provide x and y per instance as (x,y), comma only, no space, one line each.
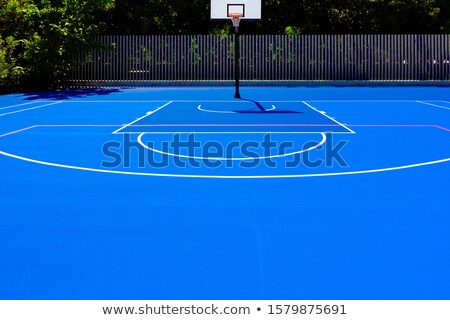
(444,15)
(10,73)
(223,31)
(284,17)
(40,38)
(293,31)
(354,16)
(160,17)
(405,16)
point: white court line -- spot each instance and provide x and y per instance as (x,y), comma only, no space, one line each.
(169,132)
(324,114)
(193,101)
(18,105)
(134,173)
(144,116)
(224,101)
(23,110)
(218,176)
(433,105)
(236,132)
(445,101)
(324,139)
(213,111)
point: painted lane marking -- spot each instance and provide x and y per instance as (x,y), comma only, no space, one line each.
(232,132)
(433,105)
(23,110)
(324,139)
(325,115)
(442,128)
(18,105)
(17,131)
(213,111)
(215,176)
(134,173)
(144,116)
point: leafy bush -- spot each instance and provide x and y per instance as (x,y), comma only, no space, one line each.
(39,38)
(293,31)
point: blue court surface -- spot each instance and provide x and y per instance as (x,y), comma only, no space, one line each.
(187,193)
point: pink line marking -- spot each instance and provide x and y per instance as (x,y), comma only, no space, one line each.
(228,125)
(442,128)
(400,125)
(294,125)
(391,125)
(59,125)
(17,131)
(79,125)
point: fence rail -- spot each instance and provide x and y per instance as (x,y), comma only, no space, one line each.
(270,57)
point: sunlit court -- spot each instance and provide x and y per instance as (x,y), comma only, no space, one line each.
(190,193)
(221,159)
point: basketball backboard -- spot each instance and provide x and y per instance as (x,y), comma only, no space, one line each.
(250,9)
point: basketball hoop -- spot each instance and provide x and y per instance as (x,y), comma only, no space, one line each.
(235,18)
(236,10)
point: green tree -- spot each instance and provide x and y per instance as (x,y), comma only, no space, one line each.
(40,38)
(281,16)
(353,16)
(161,17)
(15,28)
(405,16)
(444,15)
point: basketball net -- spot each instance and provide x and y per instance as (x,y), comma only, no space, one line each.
(235,18)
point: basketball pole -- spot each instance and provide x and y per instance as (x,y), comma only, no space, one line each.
(237,61)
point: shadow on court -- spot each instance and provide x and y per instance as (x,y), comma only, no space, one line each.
(71,93)
(261,109)
(266,112)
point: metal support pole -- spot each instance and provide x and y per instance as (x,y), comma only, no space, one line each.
(237,59)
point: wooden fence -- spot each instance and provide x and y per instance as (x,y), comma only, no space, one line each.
(270,57)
